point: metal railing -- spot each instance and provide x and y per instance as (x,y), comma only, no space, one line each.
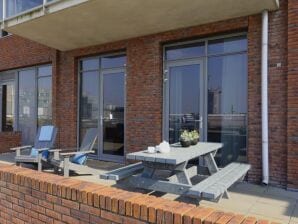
(12,8)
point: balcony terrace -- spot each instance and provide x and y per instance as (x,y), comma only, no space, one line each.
(72,24)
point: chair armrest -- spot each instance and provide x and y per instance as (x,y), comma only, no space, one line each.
(68,154)
(55,150)
(42,149)
(21,147)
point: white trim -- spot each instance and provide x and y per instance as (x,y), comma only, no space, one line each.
(264,75)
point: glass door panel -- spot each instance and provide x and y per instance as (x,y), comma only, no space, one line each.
(8,106)
(89,103)
(113,115)
(227,106)
(44,101)
(27,106)
(184,100)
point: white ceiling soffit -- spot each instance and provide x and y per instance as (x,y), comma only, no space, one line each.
(74,24)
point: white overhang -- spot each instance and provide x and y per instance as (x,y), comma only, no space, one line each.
(71,24)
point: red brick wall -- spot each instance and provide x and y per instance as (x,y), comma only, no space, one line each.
(27,196)
(144,81)
(277,85)
(292,96)
(278,67)
(9,140)
(144,85)
(254,99)
(16,52)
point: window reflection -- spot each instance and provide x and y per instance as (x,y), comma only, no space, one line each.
(45,71)
(113,114)
(17,6)
(185,51)
(90,64)
(184,100)
(1,10)
(27,115)
(227,94)
(89,109)
(227,45)
(8,101)
(113,61)
(44,101)
(102,83)
(227,106)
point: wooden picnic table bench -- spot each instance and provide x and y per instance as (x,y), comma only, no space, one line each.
(142,174)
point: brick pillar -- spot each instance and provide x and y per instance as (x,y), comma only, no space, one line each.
(254,148)
(292,129)
(144,94)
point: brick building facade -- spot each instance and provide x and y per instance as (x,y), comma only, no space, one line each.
(144,85)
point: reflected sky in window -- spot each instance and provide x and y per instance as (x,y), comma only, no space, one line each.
(227,45)
(18,6)
(185,51)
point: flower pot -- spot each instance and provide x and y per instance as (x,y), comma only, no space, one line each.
(194,141)
(185,143)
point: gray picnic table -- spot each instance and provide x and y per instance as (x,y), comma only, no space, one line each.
(143,174)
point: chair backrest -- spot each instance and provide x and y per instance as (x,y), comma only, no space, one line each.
(89,140)
(46,137)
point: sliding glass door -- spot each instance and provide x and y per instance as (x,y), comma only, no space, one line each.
(112,115)
(102,104)
(27,106)
(184,98)
(34,101)
(7,102)
(205,89)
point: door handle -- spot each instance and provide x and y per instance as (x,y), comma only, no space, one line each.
(201,122)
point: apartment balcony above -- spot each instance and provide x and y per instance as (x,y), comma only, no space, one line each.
(71,24)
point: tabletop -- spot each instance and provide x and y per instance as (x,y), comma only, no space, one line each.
(177,155)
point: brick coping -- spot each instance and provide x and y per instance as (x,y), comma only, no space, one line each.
(55,199)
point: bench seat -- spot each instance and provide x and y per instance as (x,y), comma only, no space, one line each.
(215,185)
(123,172)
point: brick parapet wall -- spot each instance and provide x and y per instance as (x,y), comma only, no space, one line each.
(27,196)
(9,140)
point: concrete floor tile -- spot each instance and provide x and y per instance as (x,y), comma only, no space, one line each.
(273,211)
(239,206)
(295,214)
(278,200)
(272,219)
(247,188)
(282,192)
(244,196)
(291,222)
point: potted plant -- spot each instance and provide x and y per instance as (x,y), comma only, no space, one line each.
(185,139)
(194,135)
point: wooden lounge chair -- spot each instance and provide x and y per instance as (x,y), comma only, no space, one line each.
(76,161)
(39,153)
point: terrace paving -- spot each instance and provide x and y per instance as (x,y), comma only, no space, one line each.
(264,202)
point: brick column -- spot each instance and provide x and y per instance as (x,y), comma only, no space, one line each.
(292,129)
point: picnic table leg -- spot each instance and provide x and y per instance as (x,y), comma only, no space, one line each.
(213,168)
(181,174)
(148,172)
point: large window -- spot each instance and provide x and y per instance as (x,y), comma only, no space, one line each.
(14,7)
(206,90)
(26,100)
(35,100)
(44,102)
(1,10)
(8,105)
(227,97)
(102,103)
